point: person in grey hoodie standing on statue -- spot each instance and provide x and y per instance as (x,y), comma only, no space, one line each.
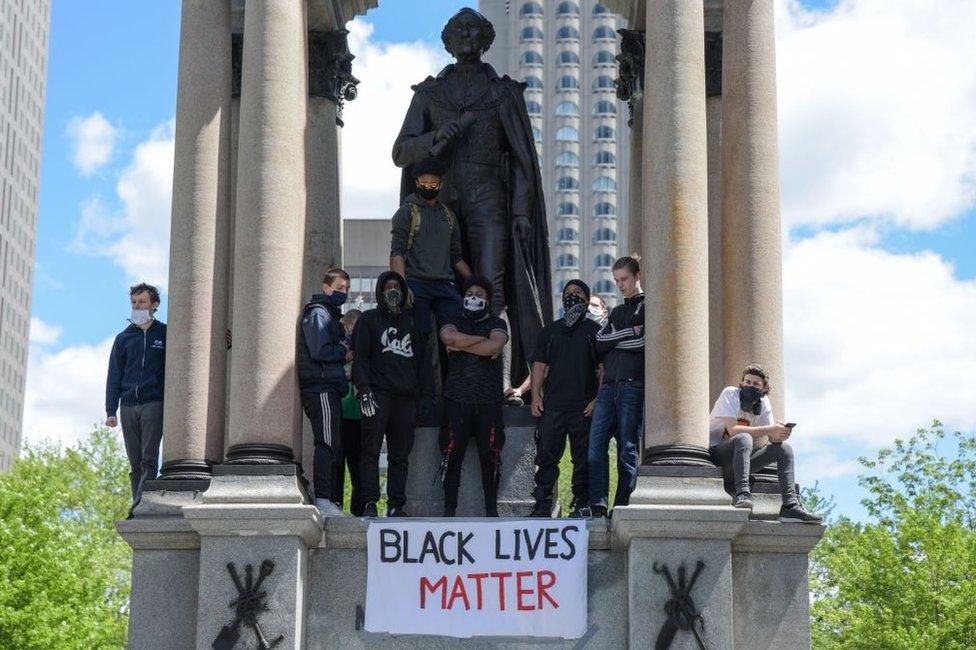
(136,369)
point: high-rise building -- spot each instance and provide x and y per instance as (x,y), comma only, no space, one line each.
(23,72)
(565,52)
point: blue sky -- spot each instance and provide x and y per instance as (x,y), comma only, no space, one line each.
(878,176)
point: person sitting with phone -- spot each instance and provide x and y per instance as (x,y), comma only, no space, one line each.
(744,435)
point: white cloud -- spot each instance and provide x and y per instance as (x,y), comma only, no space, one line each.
(370,181)
(877,111)
(135,235)
(93,142)
(43,334)
(877,344)
(65,392)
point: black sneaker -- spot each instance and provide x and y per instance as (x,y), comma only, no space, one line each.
(797,514)
(742,500)
(396,512)
(598,511)
(369,510)
(581,512)
(541,510)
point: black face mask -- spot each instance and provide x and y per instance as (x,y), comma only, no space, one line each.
(428,193)
(750,399)
(393,298)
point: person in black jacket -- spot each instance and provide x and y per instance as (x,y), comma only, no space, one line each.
(136,372)
(323,348)
(619,410)
(394,379)
(474,393)
(565,378)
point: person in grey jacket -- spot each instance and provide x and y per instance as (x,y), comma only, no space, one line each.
(425,248)
(136,370)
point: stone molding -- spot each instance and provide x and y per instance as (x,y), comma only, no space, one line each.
(674,522)
(330,68)
(776,537)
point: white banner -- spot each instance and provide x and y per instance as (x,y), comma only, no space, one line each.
(477,578)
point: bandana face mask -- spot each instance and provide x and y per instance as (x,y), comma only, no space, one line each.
(750,399)
(475,307)
(393,298)
(574,308)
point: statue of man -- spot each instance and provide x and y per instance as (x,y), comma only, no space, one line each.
(477,124)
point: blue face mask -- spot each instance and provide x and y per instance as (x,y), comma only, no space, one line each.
(337,298)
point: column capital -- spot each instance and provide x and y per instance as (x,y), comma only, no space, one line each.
(713,64)
(330,68)
(630,69)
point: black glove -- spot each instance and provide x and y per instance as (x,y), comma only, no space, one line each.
(368,405)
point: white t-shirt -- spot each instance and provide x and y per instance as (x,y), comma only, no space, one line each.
(727,406)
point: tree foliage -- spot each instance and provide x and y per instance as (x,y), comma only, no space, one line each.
(64,572)
(906,579)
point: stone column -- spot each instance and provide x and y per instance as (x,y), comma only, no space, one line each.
(193,421)
(675,239)
(237,45)
(752,290)
(269,233)
(713,122)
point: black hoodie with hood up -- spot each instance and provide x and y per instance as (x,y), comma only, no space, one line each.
(389,354)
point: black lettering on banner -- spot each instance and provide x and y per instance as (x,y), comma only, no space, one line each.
(406,549)
(529,546)
(463,552)
(444,558)
(391,544)
(430,546)
(569,542)
(498,547)
(551,543)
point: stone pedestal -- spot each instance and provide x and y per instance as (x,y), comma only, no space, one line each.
(247,518)
(165,567)
(771,590)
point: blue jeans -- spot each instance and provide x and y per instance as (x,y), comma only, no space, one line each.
(441,298)
(619,413)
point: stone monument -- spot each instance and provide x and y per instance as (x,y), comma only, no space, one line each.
(227,550)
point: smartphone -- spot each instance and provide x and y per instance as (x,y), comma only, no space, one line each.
(790,425)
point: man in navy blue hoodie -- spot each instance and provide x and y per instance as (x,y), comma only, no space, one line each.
(323,348)
(136,370)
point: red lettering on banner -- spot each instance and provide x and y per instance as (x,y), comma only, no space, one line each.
(501,575)
(519,591)
(544,586)
(458,591)
(425,585)
(478,577)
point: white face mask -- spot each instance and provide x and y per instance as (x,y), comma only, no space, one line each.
(595,314)
(140,317)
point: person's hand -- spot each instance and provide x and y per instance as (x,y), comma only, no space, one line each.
(537,407)
(111,422)
(778,432)
(522,226)
(448,131)
(348,356)
(637,329)
(588,411)
(513,392)
(368,405)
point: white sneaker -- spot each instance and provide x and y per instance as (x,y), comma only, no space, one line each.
(329,509)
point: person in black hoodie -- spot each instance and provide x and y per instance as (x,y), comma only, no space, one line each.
(619,410)
(394,379)
(474,392)
(136,371)
(323,348)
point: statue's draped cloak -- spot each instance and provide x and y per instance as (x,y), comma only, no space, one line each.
(528,278)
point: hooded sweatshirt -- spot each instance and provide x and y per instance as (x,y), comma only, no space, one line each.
(137,367)
(389,354)
(321,347)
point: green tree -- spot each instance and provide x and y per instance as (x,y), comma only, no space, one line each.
(64,572)
(906,579)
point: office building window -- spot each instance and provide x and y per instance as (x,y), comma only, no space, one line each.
(568,109)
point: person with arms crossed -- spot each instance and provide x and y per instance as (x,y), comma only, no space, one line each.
(619,410)
(136,372)
(474,393)
(743,435)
